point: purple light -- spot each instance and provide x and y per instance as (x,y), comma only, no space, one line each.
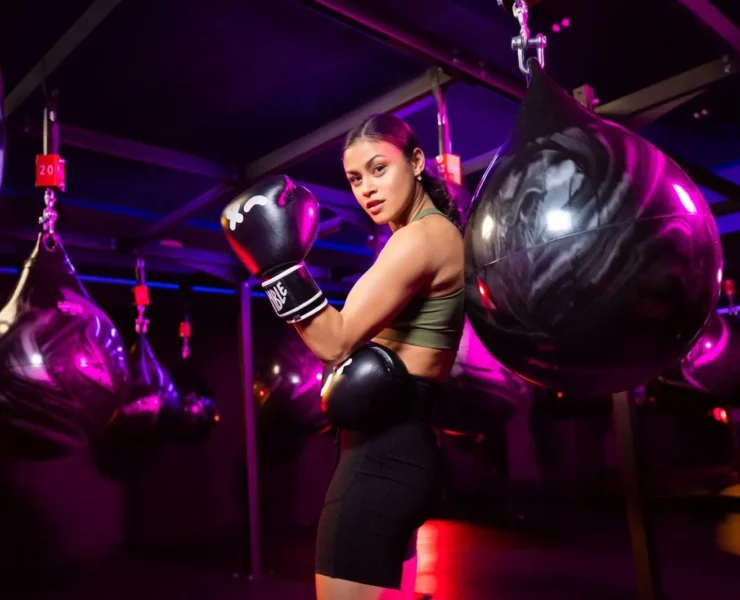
(565,22)
(556,28)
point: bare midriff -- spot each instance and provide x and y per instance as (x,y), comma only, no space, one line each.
(423,362)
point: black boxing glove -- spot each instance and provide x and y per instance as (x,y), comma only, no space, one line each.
(367,390)
(271,227)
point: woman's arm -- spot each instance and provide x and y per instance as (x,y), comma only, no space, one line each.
(402,269)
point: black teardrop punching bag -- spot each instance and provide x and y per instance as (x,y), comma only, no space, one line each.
(592,260)
(154,401)
(140,427)
(199,412)
(63,371)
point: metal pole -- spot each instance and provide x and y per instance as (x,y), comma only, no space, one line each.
(643,550)
(250,431)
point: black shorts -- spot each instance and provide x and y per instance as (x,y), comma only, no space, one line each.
(383,489)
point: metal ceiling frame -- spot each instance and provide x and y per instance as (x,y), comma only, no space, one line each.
(408,98)
(107,252)
(712,17)
(457,62)
(395,100)
(644,106)
(71,39)
(634,109)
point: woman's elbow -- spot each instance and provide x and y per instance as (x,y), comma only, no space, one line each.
(331,356)
(335,352)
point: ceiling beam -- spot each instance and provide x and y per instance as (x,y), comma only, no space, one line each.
(71,39)
(393,101)
(110,145)
(280,159)
(457,62)
(223,191)
(163,257)
(639,108)
(669,90)
(713,18)
(710,180)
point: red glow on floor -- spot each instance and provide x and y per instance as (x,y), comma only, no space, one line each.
(441,550)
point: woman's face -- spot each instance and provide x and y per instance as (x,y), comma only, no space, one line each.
(382,179)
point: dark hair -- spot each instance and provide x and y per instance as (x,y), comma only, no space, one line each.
(389,128)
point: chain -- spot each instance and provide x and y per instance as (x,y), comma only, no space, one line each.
(141,296)
(49,216)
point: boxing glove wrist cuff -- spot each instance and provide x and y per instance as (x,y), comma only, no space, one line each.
(294,294)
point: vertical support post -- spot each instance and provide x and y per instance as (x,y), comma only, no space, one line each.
(250,430)
(733,417)
(643,551)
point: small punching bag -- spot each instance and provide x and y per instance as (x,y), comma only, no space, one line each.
(198,414)
(153,395)
(592,260)
(63,371)
(155,402)
(287,387)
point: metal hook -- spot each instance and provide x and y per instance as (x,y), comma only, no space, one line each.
(523,41)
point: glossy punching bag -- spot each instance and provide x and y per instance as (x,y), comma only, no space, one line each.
(155,402)
(712,366)
(198,414)
(482,391)
(287,387)
(592,260)
(63,371)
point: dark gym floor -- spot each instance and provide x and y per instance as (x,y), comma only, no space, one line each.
(556,552)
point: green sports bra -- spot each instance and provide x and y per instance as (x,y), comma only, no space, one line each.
(429,322)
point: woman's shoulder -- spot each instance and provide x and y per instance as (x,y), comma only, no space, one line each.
(436,240)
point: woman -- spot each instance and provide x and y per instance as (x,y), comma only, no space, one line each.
(411,301)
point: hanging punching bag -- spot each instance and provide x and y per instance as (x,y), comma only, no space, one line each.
(154,401)
(199,413)
(136,433)
(63,371)
(592,261)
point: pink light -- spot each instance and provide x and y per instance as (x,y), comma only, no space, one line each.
(685,199)
(708,345)
(556,28)
(319,376)
(565,22)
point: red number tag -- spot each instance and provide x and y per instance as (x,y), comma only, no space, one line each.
(50,171)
